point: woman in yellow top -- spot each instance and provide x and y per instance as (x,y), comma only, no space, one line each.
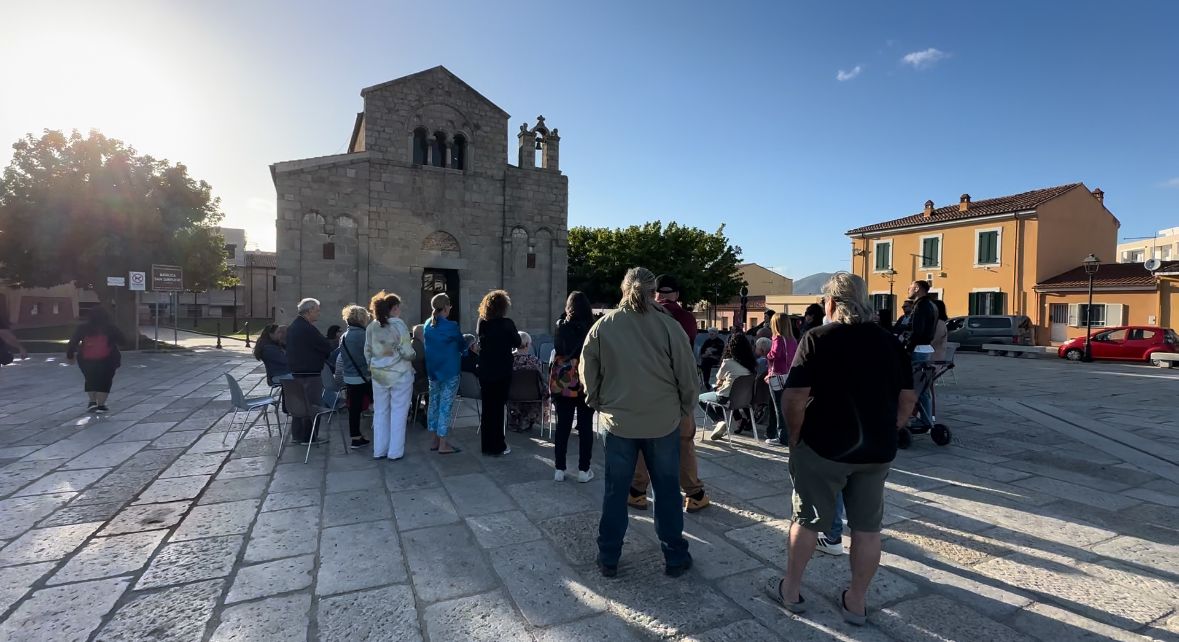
(388,348)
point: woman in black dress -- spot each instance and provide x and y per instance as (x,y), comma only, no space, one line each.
(497,338)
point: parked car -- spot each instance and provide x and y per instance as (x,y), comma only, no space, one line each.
(1129,343)
(971,332)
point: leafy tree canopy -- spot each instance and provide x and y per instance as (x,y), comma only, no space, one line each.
(79,209)
(703,262)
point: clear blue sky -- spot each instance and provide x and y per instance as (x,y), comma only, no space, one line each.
(788,122)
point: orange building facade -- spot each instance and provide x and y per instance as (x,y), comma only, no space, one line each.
(986,256)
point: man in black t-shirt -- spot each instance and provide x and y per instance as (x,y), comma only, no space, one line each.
(848,390)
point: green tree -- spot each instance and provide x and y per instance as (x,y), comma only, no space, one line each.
(705,263)
(78,209)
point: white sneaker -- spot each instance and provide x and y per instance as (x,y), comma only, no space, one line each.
(559,475)
(718,432)
(829,547)
(507,451)
(585,475)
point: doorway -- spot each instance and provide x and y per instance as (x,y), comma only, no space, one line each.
(436,281)
(1059,315)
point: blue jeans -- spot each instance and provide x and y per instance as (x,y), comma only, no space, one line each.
(836,531)
(441,399)
(709,404)
(662,456)
(924,400)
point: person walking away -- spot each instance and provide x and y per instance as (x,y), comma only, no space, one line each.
(10,346)
(498,336)
(737,361)
(848,391)
(357,378)
(710,356)
(565,387)
(782,348)
(523,416)
(445,347)
(920,347)
(95,346)
(667,294)
(640,374)
(307,352)
(388,349)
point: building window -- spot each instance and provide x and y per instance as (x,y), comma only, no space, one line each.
(931,251)
(230,251)
(1102,314)
(458,153)
(56,309)
(988,247)
(883,250)
(35,310)
(439,149)
(329,251)
(986,303)
(273,283)
(882,302)
(1162,253)
(421,147)
(531,260)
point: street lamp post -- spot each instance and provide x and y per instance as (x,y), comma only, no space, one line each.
(1091,264)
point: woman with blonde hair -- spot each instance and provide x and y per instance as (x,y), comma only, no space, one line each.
(781,355)
(445,347)
(498,336)
(388,349)
(357,378)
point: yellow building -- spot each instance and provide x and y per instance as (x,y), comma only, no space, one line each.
(986,256)
(764,281)
(1123,294)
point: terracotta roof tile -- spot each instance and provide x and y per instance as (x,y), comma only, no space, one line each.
(1109,275)
(986,207)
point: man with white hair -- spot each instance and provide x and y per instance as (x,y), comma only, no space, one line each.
(307,353)
(848,391)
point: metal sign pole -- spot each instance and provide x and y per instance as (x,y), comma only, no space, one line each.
(136,320)
(175,318)
(157,297)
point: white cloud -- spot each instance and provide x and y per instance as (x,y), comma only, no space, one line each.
(923,59)
(844,76)
(1174,182)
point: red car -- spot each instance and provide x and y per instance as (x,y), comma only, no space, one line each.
(1131,343)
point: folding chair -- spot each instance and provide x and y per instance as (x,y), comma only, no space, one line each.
(300,406)
(468,389)
(951,352)
(740,400)
(334,399)
(528,387)
(242,404)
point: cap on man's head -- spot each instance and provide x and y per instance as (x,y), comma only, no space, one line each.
(666,284)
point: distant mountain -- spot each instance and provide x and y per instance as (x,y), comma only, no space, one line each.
(812,284)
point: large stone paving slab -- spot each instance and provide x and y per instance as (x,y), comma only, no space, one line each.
(271,578)
(109,556)
(386,613)
(546,590)
(275,618)
(284,533)
(21,513)
(45,544)
(16,580)
(480,618)
(66,481)
(177,614)
(445,562)
(201,559)
(145,517)
(65,613)
(175,489)
(230,518)
(359,556)
(356,506)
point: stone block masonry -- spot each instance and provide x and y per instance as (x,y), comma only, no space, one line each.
(425,202)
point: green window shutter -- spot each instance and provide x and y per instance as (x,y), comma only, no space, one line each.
(988,248)
(929,252)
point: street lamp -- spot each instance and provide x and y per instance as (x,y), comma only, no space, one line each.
(892,277)
(1091,264)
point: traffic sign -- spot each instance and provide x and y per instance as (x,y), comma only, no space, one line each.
(167,278)
(115,281)
(138,281)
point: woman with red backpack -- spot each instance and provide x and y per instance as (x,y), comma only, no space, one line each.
(95,345)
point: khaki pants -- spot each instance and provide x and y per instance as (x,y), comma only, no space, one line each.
(689,479)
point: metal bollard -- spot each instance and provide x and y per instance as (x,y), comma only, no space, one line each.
(246,327)
(218,335)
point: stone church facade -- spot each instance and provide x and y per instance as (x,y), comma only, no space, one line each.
(425,202)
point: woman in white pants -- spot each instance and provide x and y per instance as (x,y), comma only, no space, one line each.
(388,348)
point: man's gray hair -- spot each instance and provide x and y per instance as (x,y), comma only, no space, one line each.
(763,343)
(307,305)
(638,290)
(850,295)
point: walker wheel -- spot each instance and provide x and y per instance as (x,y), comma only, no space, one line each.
(940,434)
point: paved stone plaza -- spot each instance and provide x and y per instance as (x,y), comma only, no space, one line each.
(1053,516)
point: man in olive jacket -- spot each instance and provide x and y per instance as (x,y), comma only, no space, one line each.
(640,374)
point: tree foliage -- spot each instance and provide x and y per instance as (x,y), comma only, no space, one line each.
(78,209)
(705,263)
